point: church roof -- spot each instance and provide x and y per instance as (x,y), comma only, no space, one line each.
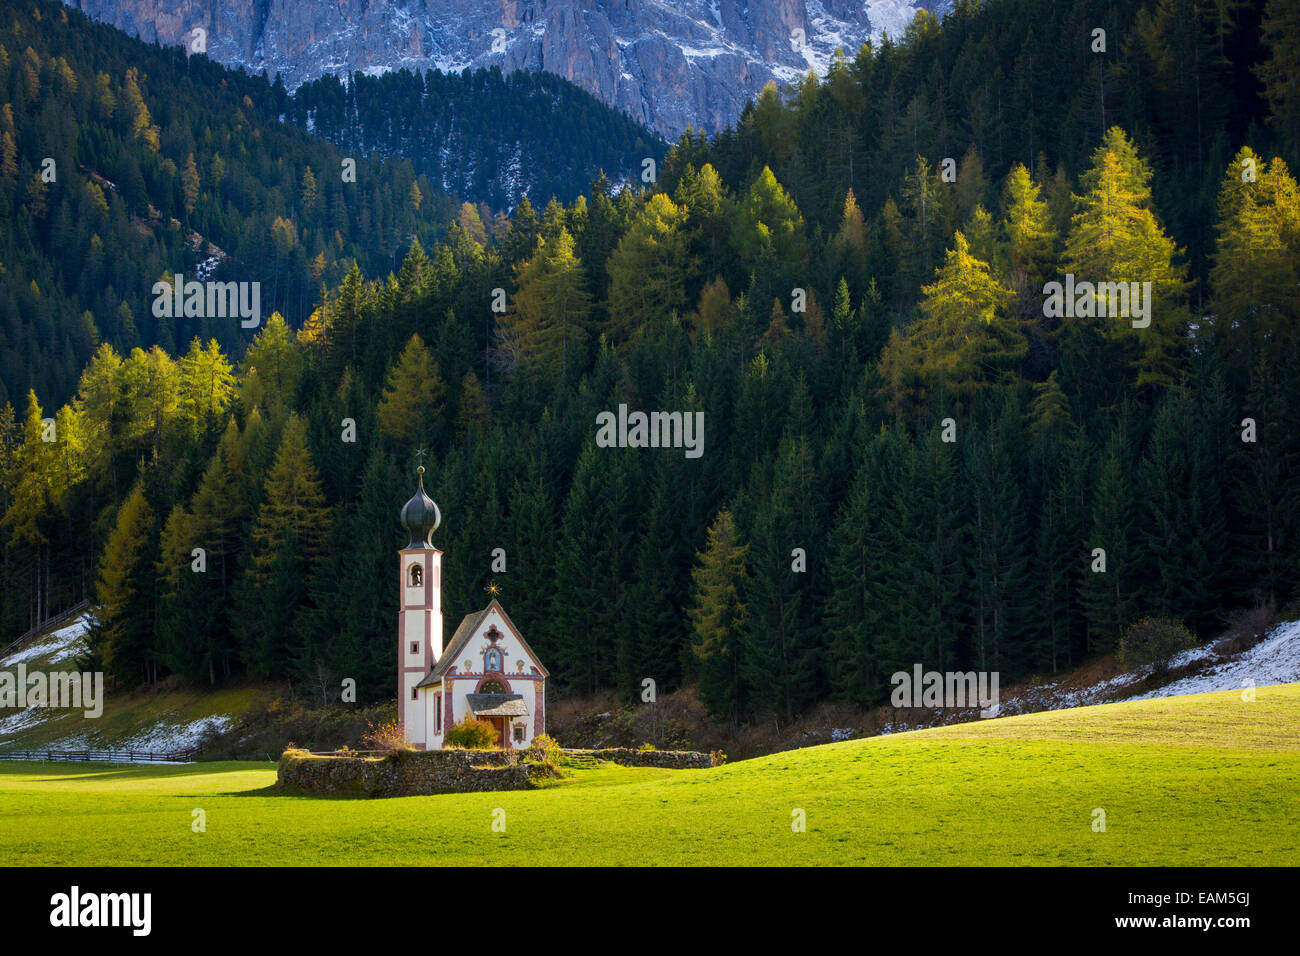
(469,625)
(497,705)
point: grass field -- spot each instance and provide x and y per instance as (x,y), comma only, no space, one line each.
(1206,779)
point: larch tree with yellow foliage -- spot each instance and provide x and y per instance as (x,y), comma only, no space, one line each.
(1116,238)
(411,406)
(965,340)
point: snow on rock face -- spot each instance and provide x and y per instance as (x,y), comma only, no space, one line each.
(669,63)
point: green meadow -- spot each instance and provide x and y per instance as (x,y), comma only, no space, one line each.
(1204,779)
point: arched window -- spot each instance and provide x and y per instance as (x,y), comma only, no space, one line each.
(417,575)
(492,686)
(492,660)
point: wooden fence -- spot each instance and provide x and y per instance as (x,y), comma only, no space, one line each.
(102,756)
(50,623)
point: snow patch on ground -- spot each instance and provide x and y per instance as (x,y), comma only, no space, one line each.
(58,650)
(1274,660)
(168,736)
(11,722)
(61,645)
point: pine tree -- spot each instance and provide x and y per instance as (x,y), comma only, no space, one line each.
(1109,589)
(718,615)
(123,636)
(1280,73)
(859,567)
(472,412)
(593,560)
(999,545)
(782,659)
(288,542)
(930,547)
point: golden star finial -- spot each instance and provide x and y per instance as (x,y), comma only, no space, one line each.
(493,589)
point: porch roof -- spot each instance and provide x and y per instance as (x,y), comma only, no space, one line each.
(497,705)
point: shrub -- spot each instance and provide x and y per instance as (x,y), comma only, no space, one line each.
(389,737)
(646,747)
(471,734)
(547,745)
(1154,640)
(1248,627)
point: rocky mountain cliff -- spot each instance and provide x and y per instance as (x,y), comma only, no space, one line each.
(667,64)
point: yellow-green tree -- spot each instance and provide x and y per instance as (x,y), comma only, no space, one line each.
(411,406)
(122,638)
(190,183)
(1116,238)
(207,384)
(150,392)
(1027,226)
(551,309)
(768,221)
(647,270)
(137,112)
(271,366)
(965,339)
(1257,259)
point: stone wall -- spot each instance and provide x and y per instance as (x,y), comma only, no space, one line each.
(668,759)
(410,773)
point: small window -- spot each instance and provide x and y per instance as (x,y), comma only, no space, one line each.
(519,733)
(417,575)
(415,693)
(437,712)
(415,647)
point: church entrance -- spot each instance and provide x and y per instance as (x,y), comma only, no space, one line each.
(499,725)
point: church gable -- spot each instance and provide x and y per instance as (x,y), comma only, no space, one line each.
(493,645)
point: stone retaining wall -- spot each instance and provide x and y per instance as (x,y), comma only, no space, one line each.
(404,774)
(669,759)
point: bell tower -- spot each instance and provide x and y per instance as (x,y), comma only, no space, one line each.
(419,616)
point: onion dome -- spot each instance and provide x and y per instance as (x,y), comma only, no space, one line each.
(420,517)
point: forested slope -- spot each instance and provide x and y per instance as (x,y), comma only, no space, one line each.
(909,455)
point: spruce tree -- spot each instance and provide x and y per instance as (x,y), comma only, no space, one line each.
(718,616)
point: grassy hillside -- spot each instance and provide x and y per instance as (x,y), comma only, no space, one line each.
(1206,779)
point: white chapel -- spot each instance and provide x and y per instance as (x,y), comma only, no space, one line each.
(487,668)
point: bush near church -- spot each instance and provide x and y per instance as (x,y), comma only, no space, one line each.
(471,734)
(1154,641)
